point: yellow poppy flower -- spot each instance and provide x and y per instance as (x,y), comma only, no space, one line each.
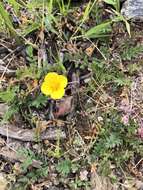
(54,85)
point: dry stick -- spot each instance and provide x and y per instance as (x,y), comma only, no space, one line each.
(138,163)
(6,68)
(4,41)
(29,135)
(8,49)
(18,49)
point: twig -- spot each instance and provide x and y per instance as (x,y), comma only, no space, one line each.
(6,68)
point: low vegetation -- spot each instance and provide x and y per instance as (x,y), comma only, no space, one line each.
(99,52)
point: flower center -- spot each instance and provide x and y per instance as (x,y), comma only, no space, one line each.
(55,86)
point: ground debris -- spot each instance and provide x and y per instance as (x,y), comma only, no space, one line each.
(101,183)
(12,156)
(3,182)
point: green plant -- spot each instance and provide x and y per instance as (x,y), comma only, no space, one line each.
(28,155)
(114,3)
(39,101)
(101,30)
(64,167)
(9,94)
(63,7)
(85,17)
(7,20)
(78,184)
(119,18)
(31,72)
(129,53)
(16,6)
(122,81)
(116,143)
(29,176)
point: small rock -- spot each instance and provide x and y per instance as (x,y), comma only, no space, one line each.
(133,9)
(83,175)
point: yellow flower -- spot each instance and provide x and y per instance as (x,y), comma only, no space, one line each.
(54,85)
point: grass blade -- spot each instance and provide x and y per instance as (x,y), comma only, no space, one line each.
(7,20)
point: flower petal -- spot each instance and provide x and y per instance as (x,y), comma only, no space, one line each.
(45,89)
(58,94)
(63,81)
(50,77)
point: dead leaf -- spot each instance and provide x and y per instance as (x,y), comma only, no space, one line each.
(99,182)
(41,35)
(140,132)
(24,19)
(89,51)
(72,48)
(64,106)
(17,168)
(41,126)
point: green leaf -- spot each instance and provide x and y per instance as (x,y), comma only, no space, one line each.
(31,28)
(40,101)
(15,5)
(36,4)
(29,72)
(113,140)
(28,156)
(49,19)
(100,30)
(13,109)
(86,12)
(64,167)
(111,2)
(132,52)
(121,18)
(29,51)
(8,95)
(114,3)
(122,81)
